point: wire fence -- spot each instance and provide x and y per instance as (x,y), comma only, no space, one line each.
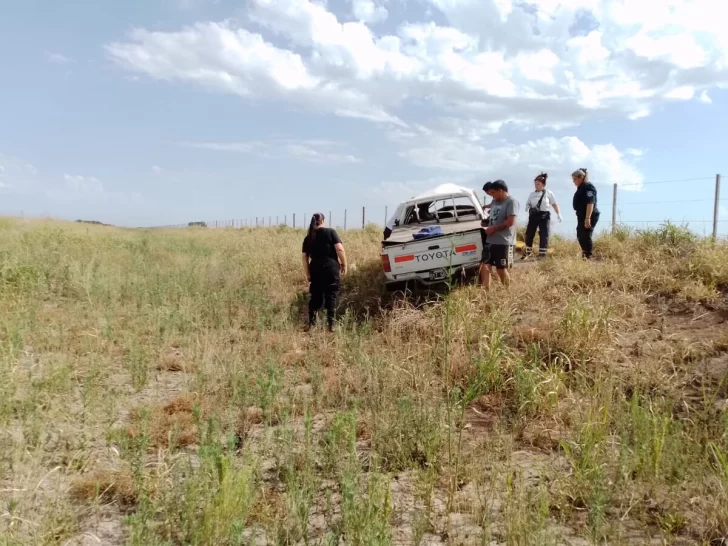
(619,205)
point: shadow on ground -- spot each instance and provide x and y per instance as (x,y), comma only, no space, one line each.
(364,295)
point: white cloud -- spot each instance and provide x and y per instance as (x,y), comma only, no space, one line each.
(681,50)
(58,58)
(538,66)
(193,4)
(16,172)
(234,60)
(495,54)
(322,152)
(83,184)
(639,114)
(368,12)
(28,184)
(492,64)
(318,154)
(634,152)
(519,163)
(681,93)
(474,164)
(705,98)
(397,190)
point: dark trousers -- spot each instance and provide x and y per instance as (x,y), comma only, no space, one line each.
(585,235)
(324,291)
(540,221)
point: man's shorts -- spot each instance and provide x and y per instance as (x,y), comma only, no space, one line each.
(499,256)
(485,256)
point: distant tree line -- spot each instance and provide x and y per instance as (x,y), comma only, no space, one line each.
(96,222)
(92,222)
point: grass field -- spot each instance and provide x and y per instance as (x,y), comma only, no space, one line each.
(156,387)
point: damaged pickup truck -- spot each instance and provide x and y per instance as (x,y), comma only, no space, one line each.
(434,238)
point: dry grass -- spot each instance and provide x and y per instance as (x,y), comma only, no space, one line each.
(106,487)
(156,387)
(175,423)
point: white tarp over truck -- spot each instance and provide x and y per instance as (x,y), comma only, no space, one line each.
(456,251)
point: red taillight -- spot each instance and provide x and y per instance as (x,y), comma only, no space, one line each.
(465,248)
(385,263)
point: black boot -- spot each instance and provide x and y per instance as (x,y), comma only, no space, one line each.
(311,321)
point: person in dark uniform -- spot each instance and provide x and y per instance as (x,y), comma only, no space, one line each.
(324,261)
(587,213)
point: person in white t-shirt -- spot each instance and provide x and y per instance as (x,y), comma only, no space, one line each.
(539,205)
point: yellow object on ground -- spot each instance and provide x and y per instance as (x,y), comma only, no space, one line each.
(520,245)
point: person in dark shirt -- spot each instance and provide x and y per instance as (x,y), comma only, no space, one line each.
(587,213)
(423,212)
(486,190)
(324,261)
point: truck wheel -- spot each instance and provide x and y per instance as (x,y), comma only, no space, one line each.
(396,286)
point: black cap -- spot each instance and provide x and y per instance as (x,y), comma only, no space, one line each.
(499,185)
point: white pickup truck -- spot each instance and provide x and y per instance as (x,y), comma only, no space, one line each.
(452,251)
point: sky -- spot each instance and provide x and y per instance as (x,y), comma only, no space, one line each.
(158,112)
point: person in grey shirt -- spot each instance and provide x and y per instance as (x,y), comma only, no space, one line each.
(501,235)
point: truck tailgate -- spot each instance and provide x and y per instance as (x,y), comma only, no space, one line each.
(443,252)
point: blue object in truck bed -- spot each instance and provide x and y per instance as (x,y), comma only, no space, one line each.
(426,232)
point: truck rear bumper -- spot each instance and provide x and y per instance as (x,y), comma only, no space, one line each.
(424,278)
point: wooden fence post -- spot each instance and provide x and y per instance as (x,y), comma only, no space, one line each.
(716,207)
